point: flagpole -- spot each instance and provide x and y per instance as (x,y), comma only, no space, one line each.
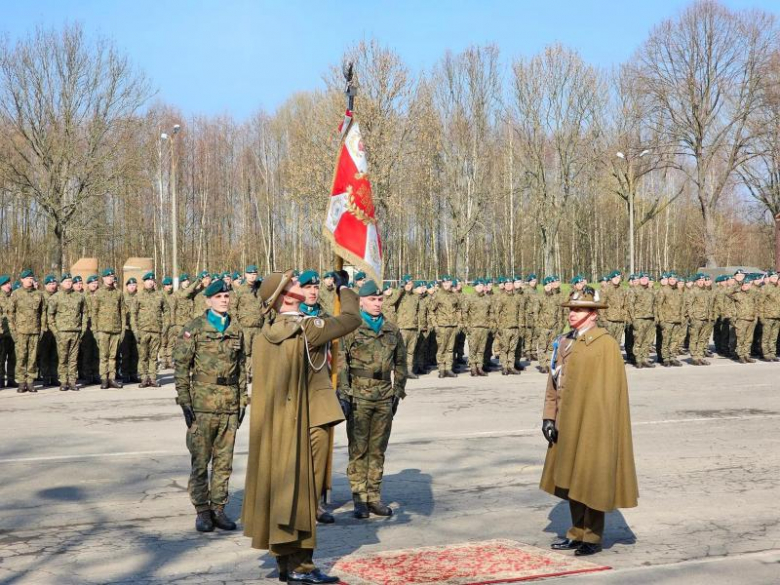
(338,263)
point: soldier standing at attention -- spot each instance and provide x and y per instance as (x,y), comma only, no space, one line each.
(108,321)
(89,357)
(530,333)
(372,378)
(614,296)
(547,323)
(590,456)
(478,318)
(27,318)
(507,313)
(168,340)
(67,319)
(744,320)
(633,281)
(407,304)
(210,375)
(248,309)
(148,322)
(48,362)
(129,347)
(670,309)
(698,308)
(771,318)
(327,293)
(446,316)
(7,363)
(359,279)
(642,316)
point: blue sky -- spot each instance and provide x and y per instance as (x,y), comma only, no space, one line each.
(235,56)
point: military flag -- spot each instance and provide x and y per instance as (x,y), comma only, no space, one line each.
(351,224)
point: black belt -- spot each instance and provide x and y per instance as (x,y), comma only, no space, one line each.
(218,380)
(358,373)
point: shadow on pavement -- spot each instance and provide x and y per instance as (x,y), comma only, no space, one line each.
(616,530)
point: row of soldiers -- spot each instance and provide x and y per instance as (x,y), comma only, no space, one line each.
(91,331)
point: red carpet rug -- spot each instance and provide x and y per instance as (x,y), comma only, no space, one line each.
(470,563)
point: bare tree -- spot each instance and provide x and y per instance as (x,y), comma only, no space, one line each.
(703,76)
(66,107)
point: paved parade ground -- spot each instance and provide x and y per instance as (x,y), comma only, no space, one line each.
(93,484)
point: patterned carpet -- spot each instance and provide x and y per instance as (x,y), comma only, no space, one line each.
(471,563)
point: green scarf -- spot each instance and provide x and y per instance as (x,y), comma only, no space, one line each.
(374,322)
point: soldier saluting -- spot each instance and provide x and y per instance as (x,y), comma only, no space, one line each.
(210,375)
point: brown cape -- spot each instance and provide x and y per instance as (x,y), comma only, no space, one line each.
(594,457)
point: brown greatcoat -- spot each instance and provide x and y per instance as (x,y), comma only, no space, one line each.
(594,456)
(280,502)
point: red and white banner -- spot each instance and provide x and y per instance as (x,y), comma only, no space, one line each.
(351,221)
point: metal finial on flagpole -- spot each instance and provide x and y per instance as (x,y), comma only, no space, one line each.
(349,89)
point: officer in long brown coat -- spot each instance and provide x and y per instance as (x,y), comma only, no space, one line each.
(587,423)
(293,404)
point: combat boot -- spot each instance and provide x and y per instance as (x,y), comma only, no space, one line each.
(481,372)
(114,384)
(474,373)
(221,520)
(676,363)
(649,364)
(379,509)
(64,388)
(104,384)
(22,388)
(32,388)
(75,387)
(449,374)
(504,372)
(361,509)
(520,367)
(204,522)
(152,383)
(750,360)
(410,375)
(514,371)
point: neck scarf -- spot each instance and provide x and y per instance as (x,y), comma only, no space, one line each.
(219,322)
(374,322)
(310,310)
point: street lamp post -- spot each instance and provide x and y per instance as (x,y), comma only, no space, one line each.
(631,195)
(174,214)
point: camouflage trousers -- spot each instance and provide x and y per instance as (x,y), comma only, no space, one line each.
(509,340)
(410,337)
(528,338)
(7,364)
(68,352)
(672,339)
(129,352)
(210,440)
(445,340)
(769,337)
(644,330)
(478,337)
(148,349)
(26,356)
(698,338)
(544,346)
(615,329)
(48,360)
(108,345)
(173,334)
(249,338)
(744,329)
(89,358)
(368,432)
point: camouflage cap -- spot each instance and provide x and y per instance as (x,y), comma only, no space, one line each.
(167,281)
(49,278)
(216,287)
(369,289)
(4,279)
(26,273)
(308,277)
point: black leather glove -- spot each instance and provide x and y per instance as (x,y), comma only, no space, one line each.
(346,406)
(241,415)
(189,415)
(549,431)
(340,279)
(396,402)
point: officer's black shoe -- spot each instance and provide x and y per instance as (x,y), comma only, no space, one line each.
(315,577)
(379,509)
(361,511)
(587,548)
(204,522)
(324,517)
(566,544)
(114,384)
(221,520)
(104,384)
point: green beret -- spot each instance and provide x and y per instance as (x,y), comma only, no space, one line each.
(4,279)
(184,276)
(49,279)
(739,271)
(204,274)
(66,276)
(548,280)
(369,289)
(131,280)
(76,279)
(251,269)
(576,279)
(167,281)
(27,273)
(329,274)
(108,272)
(92,278)
(531,277)
(148,276)
(454,282)
(236,276)
(226,275)
(308,277)
(387,286)
(216,276)
(360,275)
(216,287)
(614,274)
(406,278)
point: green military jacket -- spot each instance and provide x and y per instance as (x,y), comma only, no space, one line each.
(425,313)
(641,304)
(108,311)
(407,310)
(478,311)
(328,299)
(5,311)
(210,367)
(616,299)
(373,365)
(548,314)
(129,300)
(770,308)
(508,310)
(149,312)
(745,305)
(181,304)
(248,305)
(698,304)
(670,305)
(28,312)
(445,309)
(67,312)
(390,307)
(89,309)
(531,300)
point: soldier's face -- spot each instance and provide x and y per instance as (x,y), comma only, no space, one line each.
(6,288)
(66,284)
(581,284)
(773,279)
(446,285)
(184,283)
(616,281)
(739,277)
(328,281)
(168,287)
(206,280)
(220,302)
(51,287)
(372,304)
(311,293)
(644,281)
(251,277)
(745,286)
(700,283)
(408,287)
(108,281)
(149,284)
(132,287)
(78,286)
(518,285)
(92,286)
(27,282)
(580,318)
(479,289)
(533,283)
(548,287)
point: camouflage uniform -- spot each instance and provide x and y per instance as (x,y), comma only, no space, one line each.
(389,307)
(27,319)
(446,316)
(670,310)
(478,318)
(108,321)
(614,317)
(426,334)
(745,311)
(372,373)
(210,375)
(168,339)
(7,361)
(408,321)
(129,347)
(770,315)
(547,326)
(181,307)
(642,315)
(248,307)
(67,321)
(89,357)
(530,332)
(507,317)
(328,299)
(149,321)
(698,308)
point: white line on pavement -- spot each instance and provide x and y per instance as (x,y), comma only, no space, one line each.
(85,456)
